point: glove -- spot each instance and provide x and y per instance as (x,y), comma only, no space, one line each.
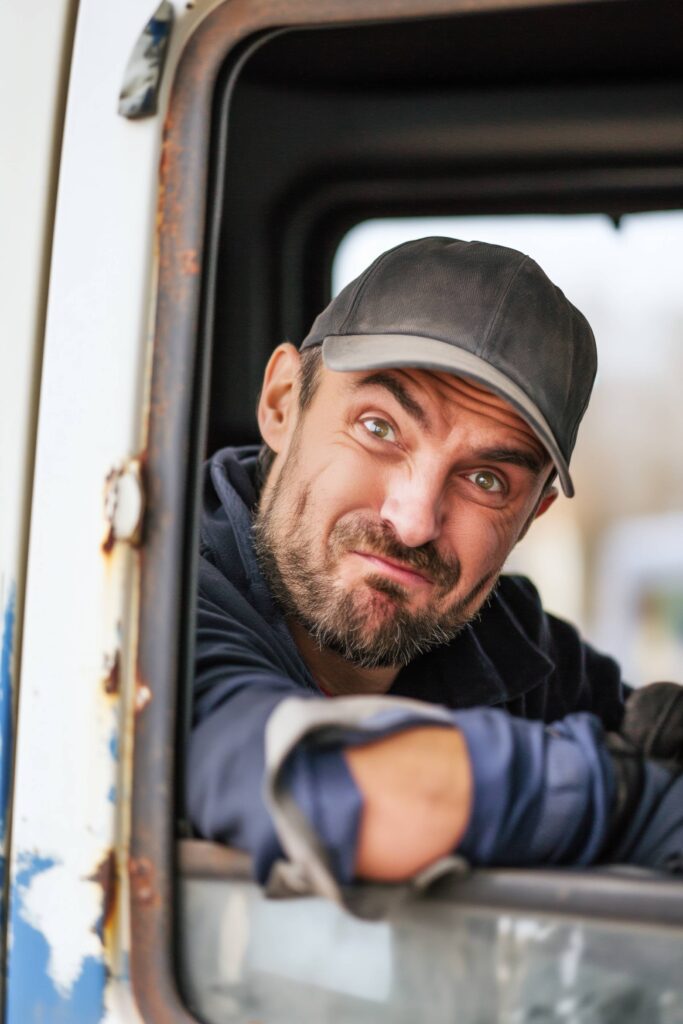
(629,782)
(652,729)
(653,723)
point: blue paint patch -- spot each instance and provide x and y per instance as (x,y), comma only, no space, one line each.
(114,745)
(8,624)
(114,751)
(31,993)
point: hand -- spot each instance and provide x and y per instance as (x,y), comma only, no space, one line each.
(652,729)
(653,723)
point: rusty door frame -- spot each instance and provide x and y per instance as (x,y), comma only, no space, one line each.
(230,32)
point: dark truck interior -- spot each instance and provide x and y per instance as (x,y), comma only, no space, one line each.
(315,126)
(563,109)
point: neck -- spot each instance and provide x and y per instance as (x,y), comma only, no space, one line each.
(336,676)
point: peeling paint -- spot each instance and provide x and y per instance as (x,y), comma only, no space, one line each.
(112,673)
(106,875)
(40,986)
(142,78)
(143,696)
(124,504)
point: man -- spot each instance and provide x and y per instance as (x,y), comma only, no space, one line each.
(409,445)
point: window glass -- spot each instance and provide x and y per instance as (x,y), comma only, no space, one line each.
(611,558)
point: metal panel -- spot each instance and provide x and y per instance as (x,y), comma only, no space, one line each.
(33,58)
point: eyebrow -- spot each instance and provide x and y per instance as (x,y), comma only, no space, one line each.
(515,457)
(399,392)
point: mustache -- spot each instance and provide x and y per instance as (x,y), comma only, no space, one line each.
(378,538)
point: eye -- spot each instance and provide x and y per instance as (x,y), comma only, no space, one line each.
(379,428)
(487,481)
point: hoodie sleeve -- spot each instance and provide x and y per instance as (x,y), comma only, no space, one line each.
(543,794)
(239,681)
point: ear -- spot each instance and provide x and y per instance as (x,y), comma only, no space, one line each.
(278,403)
(545,501)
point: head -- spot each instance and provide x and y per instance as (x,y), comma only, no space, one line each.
(407,464)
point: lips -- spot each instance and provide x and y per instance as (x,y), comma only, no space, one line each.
(394,570)
(382,552)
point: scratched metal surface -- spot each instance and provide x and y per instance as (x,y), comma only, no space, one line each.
(26,209)
(69,936)
(250,959)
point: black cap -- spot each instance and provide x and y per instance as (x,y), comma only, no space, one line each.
(476,310)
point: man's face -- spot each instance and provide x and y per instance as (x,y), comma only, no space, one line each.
(396,498)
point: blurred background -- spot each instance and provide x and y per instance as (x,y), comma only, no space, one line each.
(611,558)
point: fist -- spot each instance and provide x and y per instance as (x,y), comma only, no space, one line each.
(653,722)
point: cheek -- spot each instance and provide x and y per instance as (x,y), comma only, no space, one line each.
(481,541)
(347,482)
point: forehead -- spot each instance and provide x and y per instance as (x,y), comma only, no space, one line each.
(435,399)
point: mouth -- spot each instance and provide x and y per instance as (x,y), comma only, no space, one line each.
(394,570)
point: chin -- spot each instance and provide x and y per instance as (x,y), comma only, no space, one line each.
(376,606)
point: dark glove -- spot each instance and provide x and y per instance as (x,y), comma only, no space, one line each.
(652,729)
(629,779)
(653,723)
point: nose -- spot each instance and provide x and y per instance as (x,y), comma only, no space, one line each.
(412,507)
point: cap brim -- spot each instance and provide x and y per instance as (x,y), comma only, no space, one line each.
(383,351)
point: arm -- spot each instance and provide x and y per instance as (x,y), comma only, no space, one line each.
(242,673)
(538,795)
(526,795)
(499,789)
(417,795)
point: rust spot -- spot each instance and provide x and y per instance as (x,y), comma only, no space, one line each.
(106,875)
(112,667)
(109,540)
(189,261)
(143,696)
(110,536)
(141,872)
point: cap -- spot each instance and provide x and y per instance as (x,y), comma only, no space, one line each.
(480,311)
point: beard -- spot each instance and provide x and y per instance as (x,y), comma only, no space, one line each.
(370,626)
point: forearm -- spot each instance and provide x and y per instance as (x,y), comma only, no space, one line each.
(498,789)
(225,770)
(393,787)
(416,788)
